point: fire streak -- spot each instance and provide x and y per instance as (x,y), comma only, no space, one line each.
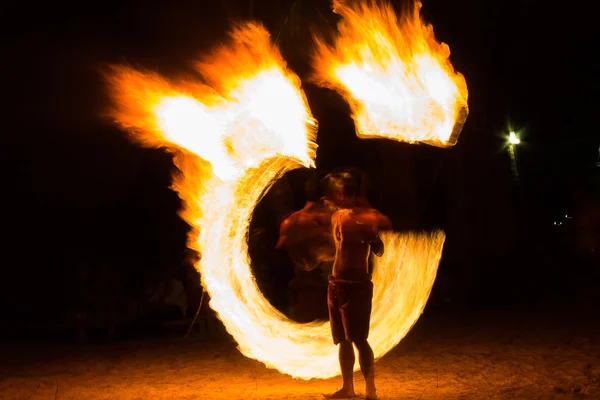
(233,137)
(394,74)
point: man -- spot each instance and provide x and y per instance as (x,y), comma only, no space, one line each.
(356,226)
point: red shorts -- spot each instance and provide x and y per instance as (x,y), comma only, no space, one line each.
(350,305)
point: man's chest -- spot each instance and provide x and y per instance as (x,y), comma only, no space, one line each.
(352,223)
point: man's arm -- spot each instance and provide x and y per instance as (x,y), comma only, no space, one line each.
(382,223)
(284,231)
(377,246)
(296,229)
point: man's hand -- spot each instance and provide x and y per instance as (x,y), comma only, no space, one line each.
(377,246)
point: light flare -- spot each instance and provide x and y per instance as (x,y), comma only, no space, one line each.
(395,75)
(233,137)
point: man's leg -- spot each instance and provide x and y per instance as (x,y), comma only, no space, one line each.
(346,357)
(346,351)
(367,367)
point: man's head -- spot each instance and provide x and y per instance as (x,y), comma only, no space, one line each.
(345,186)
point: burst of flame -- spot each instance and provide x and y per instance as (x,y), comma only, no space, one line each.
(234,137)
(394,74)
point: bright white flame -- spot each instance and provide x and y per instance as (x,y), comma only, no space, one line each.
(186,121)
(513,138)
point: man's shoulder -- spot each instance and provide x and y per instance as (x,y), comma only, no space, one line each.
(371,215)
(370,212)
(364,212)
(298,218)
(290,221)
(296,215)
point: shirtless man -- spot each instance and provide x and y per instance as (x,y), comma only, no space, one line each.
(356,226)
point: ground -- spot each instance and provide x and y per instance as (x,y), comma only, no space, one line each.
(485,355)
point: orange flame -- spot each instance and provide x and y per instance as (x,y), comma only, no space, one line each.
(235,136)
(394,74)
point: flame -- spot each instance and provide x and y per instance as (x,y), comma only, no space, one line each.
(233,137)
(394,74)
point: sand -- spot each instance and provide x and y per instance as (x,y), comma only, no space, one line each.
(499,355)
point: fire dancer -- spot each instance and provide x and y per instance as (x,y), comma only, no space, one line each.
(356,226)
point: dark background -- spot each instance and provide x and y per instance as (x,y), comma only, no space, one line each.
(76,190)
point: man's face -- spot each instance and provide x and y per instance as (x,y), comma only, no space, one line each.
(343,198)
(340,193)
(337,197)
(348,199)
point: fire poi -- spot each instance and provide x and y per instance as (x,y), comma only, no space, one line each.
(247,122)
(395,75)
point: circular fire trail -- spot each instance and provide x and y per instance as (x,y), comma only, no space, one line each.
(233,136)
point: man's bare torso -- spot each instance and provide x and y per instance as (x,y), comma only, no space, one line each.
(353,230)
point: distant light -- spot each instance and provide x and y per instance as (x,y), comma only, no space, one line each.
(513,138)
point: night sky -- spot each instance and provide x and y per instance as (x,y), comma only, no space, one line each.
(77,189)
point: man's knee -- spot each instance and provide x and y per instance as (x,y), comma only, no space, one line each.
(362,344)
(345,344)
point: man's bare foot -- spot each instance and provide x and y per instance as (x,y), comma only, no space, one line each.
(371,394)
(341,394)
